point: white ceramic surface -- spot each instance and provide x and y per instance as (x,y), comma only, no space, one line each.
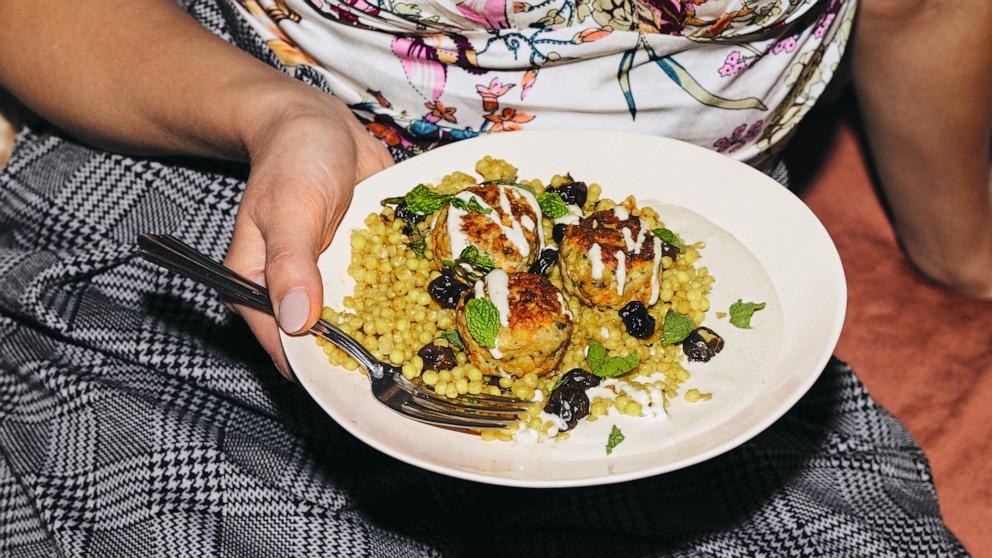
(802,324)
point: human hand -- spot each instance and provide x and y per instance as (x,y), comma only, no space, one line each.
(305,163)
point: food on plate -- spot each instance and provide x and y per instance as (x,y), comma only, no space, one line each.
(498,220)
(549,293)
(610,258)
(530,327)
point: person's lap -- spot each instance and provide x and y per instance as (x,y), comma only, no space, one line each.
(136,414)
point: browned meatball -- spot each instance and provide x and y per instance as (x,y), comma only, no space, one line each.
(509,234)
(532,338)
(606,260)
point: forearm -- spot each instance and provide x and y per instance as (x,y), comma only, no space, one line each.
(922,76)
(138,76)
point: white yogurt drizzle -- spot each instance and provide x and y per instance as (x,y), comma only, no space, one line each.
(596,259)
(655,270)
(621,213)
(498,286)
(514,233)
(527,222)
(573,216)
(536,208)
(564,307)
(621,271)
(634,245)
(496,283)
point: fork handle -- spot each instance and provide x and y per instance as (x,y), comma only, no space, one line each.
(175,255)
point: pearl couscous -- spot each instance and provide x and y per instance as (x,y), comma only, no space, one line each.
(401,257)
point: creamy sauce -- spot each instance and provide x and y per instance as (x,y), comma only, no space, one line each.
(655,271)
(596,259)
(456,238)
(634,245)
(536,208)
(564,307)
(621,271)
(514,233)
(621,213)
(527,222)
(498,286)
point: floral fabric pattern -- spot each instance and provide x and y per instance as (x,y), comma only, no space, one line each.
(731,75)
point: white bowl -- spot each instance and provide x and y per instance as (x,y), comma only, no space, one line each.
(759,376)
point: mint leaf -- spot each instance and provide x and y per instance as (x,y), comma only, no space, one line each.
(482,319)
(423,200)
(552,205)
(418,242)
(609,367)
(453,339)
(471,205)
(618,366)
(471,256)
(614,440)
(595,356)
(669,237)
(676,328)
(741,312)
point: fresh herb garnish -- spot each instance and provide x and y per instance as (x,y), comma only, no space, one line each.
(418,242)
(669,238)
(482,262)
(614,439)
(423,200)
(471,205)
(606,366)
(552,205)
(482,319)
(453,339)
(741,312)
(676,328)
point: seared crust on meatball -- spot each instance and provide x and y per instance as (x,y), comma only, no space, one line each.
(539,329)
(481,231)
(602,235)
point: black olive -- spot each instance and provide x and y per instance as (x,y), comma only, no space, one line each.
(572,193)
(403,212)
(702,344)
(437,357)
(669,250)
(571,404)
(548,258)
(558,232)
(446,290)
(639,323)
(578,377)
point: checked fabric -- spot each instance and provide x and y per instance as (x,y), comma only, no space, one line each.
(136,420)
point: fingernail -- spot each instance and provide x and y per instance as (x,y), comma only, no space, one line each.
(294,308)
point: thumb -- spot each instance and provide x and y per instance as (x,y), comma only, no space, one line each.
(294,237)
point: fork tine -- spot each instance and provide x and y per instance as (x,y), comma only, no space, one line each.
(474,402)
(415,411)
(456,406)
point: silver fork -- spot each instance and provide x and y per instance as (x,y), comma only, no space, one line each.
(469,413)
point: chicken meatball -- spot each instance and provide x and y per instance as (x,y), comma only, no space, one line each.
(534,324)
(609,258)
(510,232)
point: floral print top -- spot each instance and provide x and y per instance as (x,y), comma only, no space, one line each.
(732,75)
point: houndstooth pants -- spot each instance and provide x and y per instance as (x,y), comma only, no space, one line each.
(135,420)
